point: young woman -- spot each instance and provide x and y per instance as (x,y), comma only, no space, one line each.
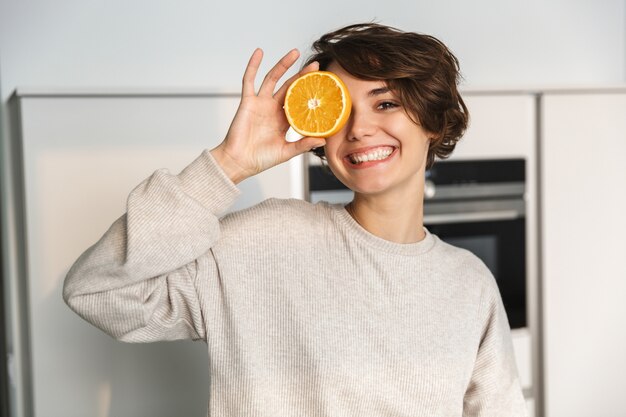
(316,309)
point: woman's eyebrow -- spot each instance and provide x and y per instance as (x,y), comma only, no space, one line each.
(378,91)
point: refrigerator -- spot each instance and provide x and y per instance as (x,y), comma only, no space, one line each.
(76,155)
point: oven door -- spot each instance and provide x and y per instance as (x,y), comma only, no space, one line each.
(497,236)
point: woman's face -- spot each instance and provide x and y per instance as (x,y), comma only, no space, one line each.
(380,149)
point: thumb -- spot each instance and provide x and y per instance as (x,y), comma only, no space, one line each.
(304,145)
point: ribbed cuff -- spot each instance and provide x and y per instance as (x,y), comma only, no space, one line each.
(207,182)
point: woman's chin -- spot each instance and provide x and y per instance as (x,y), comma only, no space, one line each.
(370,189)
(364,184)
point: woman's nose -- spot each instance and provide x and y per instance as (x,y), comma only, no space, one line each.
(359,125)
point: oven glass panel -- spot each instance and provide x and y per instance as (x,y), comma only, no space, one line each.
(501,246)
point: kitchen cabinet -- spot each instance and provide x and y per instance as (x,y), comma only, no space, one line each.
(583,230)
(83,152)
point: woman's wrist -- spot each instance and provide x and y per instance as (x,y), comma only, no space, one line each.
(229,165)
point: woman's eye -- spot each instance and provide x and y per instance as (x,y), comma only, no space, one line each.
(386,105)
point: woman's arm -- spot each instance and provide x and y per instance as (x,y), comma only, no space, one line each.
(139,282)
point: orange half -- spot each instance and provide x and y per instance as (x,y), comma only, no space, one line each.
(317,104)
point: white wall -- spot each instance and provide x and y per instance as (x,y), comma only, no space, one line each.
(207,43)
(160,43)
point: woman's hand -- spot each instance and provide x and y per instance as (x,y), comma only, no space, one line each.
(256,138)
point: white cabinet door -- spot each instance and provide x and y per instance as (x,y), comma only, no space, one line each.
(501,126)
(583,169)
(82,157)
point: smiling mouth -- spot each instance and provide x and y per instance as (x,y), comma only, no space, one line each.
(376,154)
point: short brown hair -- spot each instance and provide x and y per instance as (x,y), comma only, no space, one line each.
(419,68)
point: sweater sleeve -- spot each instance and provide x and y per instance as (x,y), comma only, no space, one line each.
(494,389)
(139,282)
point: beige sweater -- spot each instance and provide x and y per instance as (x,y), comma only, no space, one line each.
(304,312)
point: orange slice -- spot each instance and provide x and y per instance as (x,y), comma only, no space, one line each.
(317,104)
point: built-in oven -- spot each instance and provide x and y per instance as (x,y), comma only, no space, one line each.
(478,205)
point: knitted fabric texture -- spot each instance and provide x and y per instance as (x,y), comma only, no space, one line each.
(303,311)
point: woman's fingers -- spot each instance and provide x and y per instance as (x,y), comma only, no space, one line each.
(250,74)
(280,94)
(303,145)
(275,74)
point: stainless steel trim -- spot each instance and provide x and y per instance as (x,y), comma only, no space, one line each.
(537,308)
(14,247)
(471,217)
(475,206)
(471,190)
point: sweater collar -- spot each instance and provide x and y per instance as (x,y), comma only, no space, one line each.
(354,229)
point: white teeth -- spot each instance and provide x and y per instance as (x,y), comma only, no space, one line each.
(376,155)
